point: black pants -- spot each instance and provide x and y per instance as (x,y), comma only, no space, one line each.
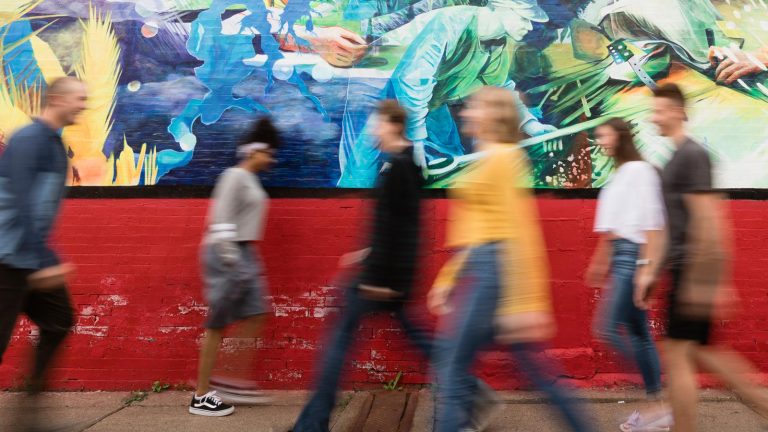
(50,310)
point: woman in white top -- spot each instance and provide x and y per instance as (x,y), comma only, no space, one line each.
(233,274)
(630,220)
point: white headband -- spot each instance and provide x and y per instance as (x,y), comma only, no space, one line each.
(245,150)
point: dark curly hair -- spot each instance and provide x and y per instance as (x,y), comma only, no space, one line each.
(263,131)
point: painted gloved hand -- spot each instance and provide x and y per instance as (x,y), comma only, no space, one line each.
(536,128)
(419,154)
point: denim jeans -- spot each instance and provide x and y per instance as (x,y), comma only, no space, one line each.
(471,328)
(624,326)
(316,414)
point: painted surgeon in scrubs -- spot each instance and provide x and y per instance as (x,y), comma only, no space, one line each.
(460,50)
(678,23)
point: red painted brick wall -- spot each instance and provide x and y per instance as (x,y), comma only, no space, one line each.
(139,304)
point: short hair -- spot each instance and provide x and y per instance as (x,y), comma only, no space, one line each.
(393,112)
(262,131)
(502,111)
(670,91)
(59,86)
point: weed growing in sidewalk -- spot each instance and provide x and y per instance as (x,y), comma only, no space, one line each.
(394,384)
(159,387)
(137,396)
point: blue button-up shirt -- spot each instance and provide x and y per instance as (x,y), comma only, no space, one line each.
(33,173)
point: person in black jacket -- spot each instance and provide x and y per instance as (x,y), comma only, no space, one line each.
(388,265)
(390,262)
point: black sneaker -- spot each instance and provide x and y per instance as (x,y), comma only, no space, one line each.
(209,405)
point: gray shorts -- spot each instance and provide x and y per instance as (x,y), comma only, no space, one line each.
(233,292)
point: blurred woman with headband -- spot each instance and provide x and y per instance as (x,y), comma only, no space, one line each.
(234,282)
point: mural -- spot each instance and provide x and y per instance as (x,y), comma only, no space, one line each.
(173,83)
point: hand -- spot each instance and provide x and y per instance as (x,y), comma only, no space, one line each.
(377,293)
(596,275)
(51,278)
(338,46)
(535,326)
(645,282)
(352,258)
(437,301)
(227,252)
(738,64)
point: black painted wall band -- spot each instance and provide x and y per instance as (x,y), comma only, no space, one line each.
(182,192)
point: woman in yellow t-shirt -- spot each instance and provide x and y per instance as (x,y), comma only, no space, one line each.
(500,268)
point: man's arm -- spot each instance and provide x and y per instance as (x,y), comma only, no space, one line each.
(36,193)
(707,253)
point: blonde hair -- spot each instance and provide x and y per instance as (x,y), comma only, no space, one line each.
(502,111)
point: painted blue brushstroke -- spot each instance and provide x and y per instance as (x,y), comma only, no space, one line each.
(20,62)
(294,11)
(223,69)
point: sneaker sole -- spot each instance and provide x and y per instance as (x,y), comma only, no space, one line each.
(238,391)
(232,383)
(207,413)
(245,399)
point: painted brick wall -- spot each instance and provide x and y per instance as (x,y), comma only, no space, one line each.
(139,303)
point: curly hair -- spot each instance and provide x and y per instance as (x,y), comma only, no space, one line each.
(263,131)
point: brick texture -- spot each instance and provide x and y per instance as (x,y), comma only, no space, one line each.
(139,303)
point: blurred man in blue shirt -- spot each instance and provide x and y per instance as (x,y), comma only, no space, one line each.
(33,173)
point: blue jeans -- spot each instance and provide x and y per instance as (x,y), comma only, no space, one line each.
(624,326)
(316,414)
(471,329)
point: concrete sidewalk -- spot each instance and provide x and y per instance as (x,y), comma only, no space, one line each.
(167,412)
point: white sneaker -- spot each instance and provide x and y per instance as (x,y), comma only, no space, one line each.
(636,423)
